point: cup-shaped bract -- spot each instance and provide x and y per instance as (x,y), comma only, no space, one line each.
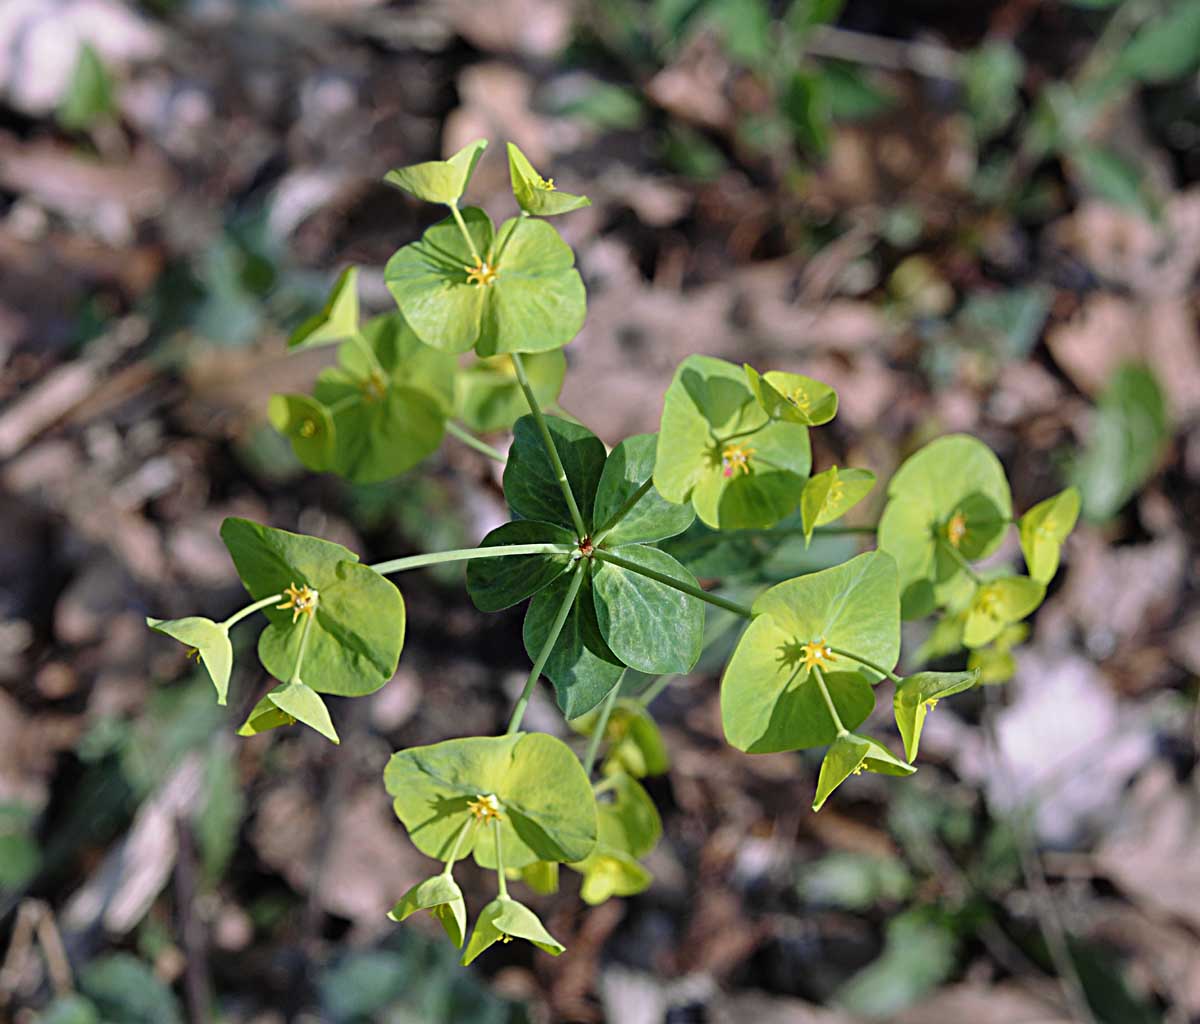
(721,450)
(357,622)
(998,604)
(917,695)
(504,919)
(1044,528)
(442,897)
(830,495)
(210,641)
(852,754)
(949,498)
(536,195)
(516,290)
(439,181)
(544,800)
(771,695)
(337,321)
(287,704)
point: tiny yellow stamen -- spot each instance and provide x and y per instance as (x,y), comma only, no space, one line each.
(816,653)
(194,652)
(956,529)
(860,768)
(374,388)
(505,938)
(485,808)
(931,703)
(735,459)
(308,428)
(546,184)
(481,273)
(799,398)
(299,600)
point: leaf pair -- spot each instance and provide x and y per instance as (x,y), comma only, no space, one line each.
(619,616)
(736,445)
(515,290)
(546,807)
(771,697)
(382,410)
(948,501)
(445,181)
(356,630)
(629,827)
(849,755)
(501,920)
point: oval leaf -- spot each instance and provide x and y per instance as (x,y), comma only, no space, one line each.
(649,626)
(530,483)
(307,424)
(1044,528)
(629,466)
(831,494)
(496,583)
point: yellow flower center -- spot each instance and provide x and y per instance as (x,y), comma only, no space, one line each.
(931,703)
(485,808)
(987,602)
(799,398)
(481,273)
(545,184)
(859,768)
(374,388)
(308,428)
(956,529)
(735,459)
(816,653)
(299,600)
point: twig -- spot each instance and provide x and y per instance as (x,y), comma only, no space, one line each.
(927,59)
(1045,906)
(191,931)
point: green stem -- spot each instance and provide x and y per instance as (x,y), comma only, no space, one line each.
(604,785)
(556,627)
(467,554)
(843,531)
(958,557)
(471,441)
(646,697)
(501,881)
(499,249)
(670,581)
(305,630)
(462,226)
(837,719)
(343,403)
(622,512)
(250,609)
(593,747)
(868,664)
(365,346)
(457,845)
(722,441)
(548,441)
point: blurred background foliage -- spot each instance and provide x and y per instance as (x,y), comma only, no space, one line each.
(980,217)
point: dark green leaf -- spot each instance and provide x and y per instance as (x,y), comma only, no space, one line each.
(629,465)
(496,583)
(530,483)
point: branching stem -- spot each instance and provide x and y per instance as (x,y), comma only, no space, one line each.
(471,441)
(548,441)
(670,581)
(622,512)
(593,747)
(867,664)
(458,839)
(556,627)
(833,711)
(467,554)
(250,609)
(462,226)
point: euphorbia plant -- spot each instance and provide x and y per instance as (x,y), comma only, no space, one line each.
(585,548)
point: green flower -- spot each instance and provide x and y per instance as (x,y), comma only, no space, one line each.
(503,920)
(442,897)
(210,642)
(852,754)
(917,695)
